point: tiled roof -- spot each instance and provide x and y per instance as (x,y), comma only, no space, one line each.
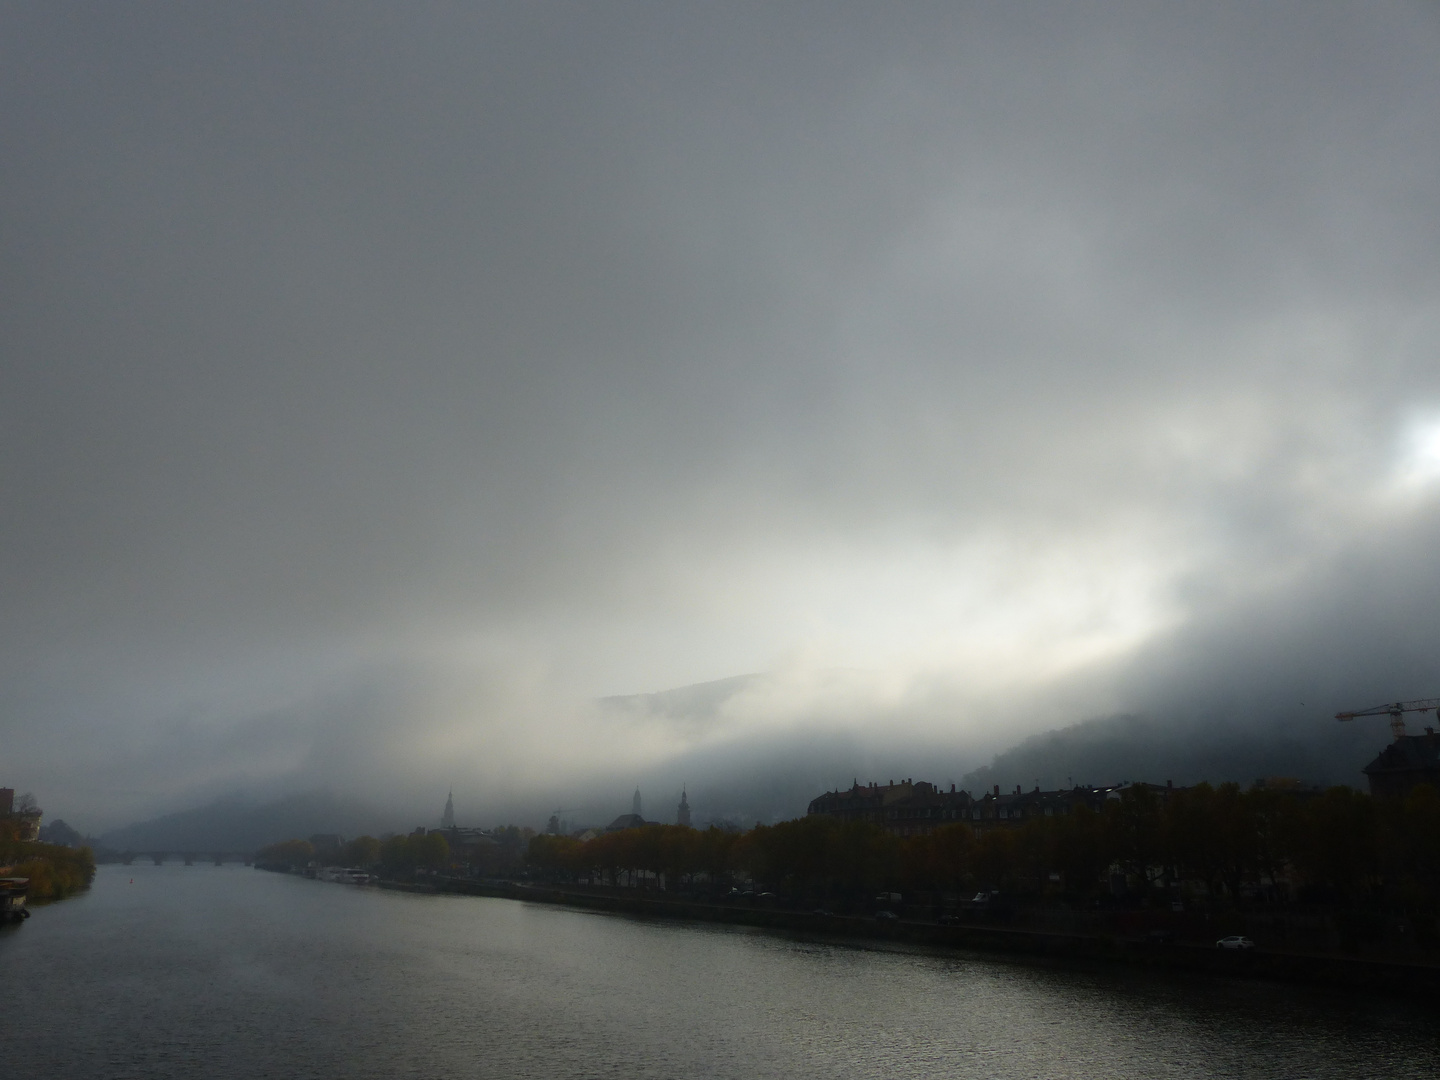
(1409,753)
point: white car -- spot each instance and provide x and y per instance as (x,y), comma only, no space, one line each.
(1234,941)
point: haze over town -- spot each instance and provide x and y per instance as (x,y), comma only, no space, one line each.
(541,400)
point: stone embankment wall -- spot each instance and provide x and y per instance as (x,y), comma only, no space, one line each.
(1373,976)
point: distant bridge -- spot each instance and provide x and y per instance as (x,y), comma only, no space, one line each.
(190,857)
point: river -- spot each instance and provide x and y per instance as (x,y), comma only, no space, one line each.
(206,971)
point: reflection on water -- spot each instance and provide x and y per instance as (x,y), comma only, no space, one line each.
(231,972)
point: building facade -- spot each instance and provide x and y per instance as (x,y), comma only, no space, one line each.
(21,816)
(912,808)
(905,809)
(1408,761)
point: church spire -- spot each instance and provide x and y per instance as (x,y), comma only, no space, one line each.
(635,805)
(447,819)
(682,815)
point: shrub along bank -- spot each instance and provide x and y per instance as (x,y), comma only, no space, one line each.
(55,872)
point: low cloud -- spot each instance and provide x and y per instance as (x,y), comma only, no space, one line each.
(394,402)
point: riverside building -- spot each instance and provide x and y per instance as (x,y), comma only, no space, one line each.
(918,808)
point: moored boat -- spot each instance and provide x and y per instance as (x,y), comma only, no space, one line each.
(13,891)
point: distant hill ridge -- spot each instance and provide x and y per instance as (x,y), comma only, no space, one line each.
(1113,749)
(696,704)
(237,824)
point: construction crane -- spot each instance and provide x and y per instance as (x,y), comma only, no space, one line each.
(1396,712)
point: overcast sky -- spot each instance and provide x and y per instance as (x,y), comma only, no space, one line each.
(382,386)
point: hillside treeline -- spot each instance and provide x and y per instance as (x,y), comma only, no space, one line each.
(1215,844)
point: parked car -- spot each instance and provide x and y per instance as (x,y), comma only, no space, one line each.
(885,915)
(1235,941)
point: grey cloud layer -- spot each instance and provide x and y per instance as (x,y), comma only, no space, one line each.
(556,342)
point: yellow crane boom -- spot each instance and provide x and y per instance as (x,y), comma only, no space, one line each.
(1396,712)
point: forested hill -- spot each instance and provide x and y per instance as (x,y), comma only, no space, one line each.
(1121,748)
(243,825)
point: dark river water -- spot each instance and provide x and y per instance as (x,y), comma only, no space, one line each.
(231,972)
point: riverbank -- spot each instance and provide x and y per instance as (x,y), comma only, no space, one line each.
(1355,973)
(52,871)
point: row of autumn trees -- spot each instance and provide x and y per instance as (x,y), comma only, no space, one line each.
(1337,847)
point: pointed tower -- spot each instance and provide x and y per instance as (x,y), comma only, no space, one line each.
(447,819)
(682,815)
(635,804)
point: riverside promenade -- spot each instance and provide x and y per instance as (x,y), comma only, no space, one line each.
(1337,969)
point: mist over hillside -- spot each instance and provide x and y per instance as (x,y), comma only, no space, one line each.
(785,755)
(392,394)
(696,705)
(774,779)
(237,824)
(764,780)
(1131,748)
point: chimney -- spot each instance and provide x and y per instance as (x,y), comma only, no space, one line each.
(1169,783)
(952,789)
(997,791)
